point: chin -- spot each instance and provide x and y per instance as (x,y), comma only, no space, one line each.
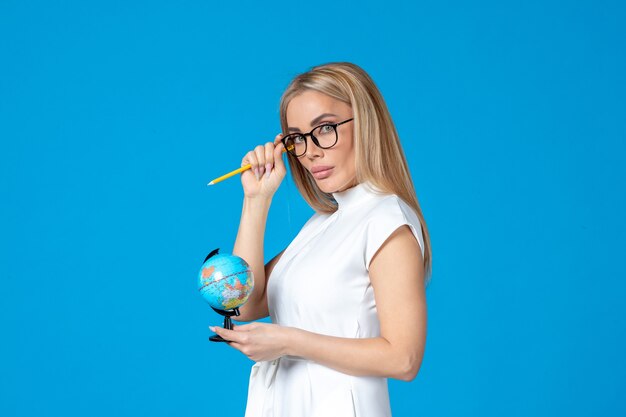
(327,186)
(324,188)
(323,185)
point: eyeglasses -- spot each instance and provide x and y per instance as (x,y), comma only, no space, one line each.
(324,136)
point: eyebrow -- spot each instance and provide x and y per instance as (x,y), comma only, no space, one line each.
(313,122)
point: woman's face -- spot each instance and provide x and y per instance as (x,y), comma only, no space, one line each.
(310,109)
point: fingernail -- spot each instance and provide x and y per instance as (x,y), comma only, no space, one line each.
(261,170)
(256,172)
(212,328)
(268,168)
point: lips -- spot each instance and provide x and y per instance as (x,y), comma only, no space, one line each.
(322,172)
(319,168)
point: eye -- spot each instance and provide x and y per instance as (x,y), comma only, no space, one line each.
(326,129)
(298,139)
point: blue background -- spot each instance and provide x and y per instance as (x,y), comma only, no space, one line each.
(114,115)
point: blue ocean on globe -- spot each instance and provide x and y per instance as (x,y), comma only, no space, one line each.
(225,281)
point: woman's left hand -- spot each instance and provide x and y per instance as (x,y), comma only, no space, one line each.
(258,341)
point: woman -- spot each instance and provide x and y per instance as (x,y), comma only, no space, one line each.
(347,296)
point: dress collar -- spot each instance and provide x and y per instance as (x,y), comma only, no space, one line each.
(353,196)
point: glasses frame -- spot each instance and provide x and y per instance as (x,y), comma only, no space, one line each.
(313,138)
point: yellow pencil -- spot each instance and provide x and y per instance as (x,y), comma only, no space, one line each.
(235,172)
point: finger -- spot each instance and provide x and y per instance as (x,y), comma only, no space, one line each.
(260,156)
(269,158)
(237,346)
(226,334)
(251,158)
(278,140)
(244,327)
(279,164)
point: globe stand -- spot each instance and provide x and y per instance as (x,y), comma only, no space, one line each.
(228,323)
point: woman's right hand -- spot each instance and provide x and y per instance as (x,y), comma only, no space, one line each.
(268,163)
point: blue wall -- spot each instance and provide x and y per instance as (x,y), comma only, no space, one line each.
(115,115)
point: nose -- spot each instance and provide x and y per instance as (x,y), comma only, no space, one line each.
(312,150)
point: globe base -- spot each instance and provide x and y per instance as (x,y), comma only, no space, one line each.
(218,338)
(228,323)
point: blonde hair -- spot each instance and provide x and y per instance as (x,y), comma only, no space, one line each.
(380,159)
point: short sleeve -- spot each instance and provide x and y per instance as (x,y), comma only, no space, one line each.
(384,219)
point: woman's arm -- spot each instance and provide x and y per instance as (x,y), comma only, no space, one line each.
(249,246)
(258,194)
(397,276)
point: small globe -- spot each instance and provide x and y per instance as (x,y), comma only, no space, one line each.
(225,281)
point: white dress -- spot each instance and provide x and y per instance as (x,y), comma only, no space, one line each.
(321,284)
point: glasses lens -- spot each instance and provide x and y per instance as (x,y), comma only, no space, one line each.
(295,144)
(326,135)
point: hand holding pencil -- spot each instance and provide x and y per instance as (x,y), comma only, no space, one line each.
(266,169)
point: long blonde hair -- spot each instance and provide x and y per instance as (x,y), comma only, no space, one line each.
(380,159)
